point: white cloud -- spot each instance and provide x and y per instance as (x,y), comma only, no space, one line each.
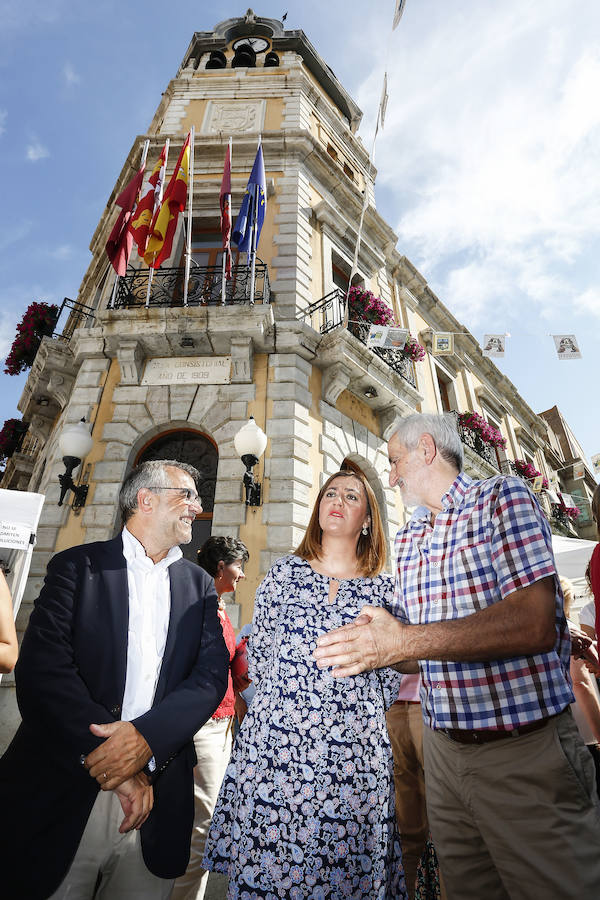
(3,118)
(65,251)
(490,151)
(36,151)
(70,76)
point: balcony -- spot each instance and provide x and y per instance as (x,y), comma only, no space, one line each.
(480,450)
(20,463)
(326,314)
(204,287)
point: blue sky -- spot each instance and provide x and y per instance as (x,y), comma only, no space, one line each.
(489,165)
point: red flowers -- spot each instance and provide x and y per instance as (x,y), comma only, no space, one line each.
(11,436)
(39,320)
(529,472)
(488,434)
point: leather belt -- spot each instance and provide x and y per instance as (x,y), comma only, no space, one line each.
(487,735)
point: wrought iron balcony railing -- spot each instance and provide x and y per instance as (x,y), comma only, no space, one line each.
(476,443)
(328,313)
(79,316)
(204,287)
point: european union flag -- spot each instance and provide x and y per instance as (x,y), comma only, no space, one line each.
(253,208)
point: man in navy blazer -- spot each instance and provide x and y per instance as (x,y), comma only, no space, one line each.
(122,662)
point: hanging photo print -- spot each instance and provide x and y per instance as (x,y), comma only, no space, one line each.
(566,346)
(387,336)
(493,344)
(442,343)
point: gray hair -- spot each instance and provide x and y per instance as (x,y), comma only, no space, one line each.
(442,429)
(152,473)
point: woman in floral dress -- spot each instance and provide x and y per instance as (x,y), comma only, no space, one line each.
(306,810)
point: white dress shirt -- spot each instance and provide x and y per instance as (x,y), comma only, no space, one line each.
(149,613)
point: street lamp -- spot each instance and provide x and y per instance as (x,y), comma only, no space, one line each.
(250,443)
(75,443)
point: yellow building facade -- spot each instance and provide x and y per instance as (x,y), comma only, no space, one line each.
(128,361)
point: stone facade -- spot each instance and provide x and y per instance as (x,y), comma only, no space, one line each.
(319,394)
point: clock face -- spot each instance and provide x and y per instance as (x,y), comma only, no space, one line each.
(258,44)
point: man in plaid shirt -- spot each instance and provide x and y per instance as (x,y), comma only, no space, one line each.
(511,792)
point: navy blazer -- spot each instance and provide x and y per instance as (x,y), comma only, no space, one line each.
(71,672)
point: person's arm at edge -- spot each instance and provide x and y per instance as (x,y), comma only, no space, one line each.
(9,648)
(586,694)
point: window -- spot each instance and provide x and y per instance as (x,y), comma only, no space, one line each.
(443,385)
(348,172)
(332,151)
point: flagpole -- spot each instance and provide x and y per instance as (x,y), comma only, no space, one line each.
(253,239)
(160,196)
(354,269)
(188,251)
(224,266)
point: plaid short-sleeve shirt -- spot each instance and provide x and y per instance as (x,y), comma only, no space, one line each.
(490,540)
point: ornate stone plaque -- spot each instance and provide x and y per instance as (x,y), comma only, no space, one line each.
(233,116)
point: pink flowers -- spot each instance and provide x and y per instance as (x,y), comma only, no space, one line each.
(364,305)
(413,350)
(527,471)
(572,512)
(488,434)
(39,320)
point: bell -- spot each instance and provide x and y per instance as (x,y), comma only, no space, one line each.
(244,57)
(217,60)
(271,59)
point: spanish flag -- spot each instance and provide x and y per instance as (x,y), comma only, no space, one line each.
(160,242)
(148,204)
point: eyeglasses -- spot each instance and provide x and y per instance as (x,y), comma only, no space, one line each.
(188,494)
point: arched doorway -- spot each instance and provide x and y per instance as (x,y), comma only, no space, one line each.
(197,450)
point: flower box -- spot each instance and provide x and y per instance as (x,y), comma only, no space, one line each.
(364,306)
(39,321)
(489,435)
(11,437)
(525,470)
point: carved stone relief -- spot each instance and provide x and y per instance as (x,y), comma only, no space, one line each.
(234,116)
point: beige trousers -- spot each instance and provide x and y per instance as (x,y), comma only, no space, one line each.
(516,819)
(405,728)
(213,749)
(114,858)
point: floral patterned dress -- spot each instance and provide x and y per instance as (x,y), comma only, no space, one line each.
(306,809)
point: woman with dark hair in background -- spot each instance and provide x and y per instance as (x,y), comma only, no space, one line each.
(306,809)
(223,558)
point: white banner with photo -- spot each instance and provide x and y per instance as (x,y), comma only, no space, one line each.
(494,345)
(566,346)
(387,336)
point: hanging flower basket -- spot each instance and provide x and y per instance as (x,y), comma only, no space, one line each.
(11,437)
(486,433)
(39,321)
(528,472)
(413,350)
(573,512)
